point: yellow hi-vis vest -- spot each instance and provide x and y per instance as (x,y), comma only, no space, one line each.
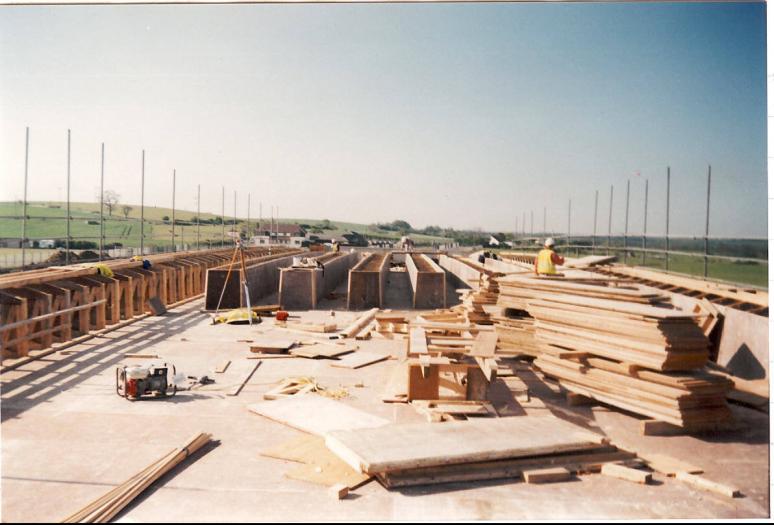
(544,263)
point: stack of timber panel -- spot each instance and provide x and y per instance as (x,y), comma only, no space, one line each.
(54,305)
(368,281)
(638,357)
(302,288)
(401,455)
(516,334)
(428,281)
(484,289)
(262,278)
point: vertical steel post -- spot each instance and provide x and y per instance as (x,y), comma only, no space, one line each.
(569,217)
(142,206)
(666,243)
(248,217)
(234,227)
(102,202)
(198,212)
(24,202)
(524,224)
(645,226)
(594,235)
(626,225)
(174,241)
(610,221)
(531,223)
(222,216)
(544,221)
(706,224)
(67,239)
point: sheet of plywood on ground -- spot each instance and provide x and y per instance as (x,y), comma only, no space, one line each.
(403,446)
(236,389)
(320,351)
(316,414)
(272,346)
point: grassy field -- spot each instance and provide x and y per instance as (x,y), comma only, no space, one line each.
(46,220)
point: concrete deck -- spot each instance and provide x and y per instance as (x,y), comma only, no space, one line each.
(67,439)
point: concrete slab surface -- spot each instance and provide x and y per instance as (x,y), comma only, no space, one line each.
(67,438)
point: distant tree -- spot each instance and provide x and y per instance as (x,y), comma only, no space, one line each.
(126,209)
(110,199)
(401,226)
(165,218)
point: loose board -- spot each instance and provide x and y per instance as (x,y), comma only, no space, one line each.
(359,359)
(415,445)
(316,414)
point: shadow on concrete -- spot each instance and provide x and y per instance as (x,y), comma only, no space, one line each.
(36,386)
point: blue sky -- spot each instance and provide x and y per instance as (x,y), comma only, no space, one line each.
(467,115)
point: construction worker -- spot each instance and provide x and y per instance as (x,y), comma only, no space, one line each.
(336,247)
(547,259)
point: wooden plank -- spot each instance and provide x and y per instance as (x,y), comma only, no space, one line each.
(626,473)
(404,446)
(269,346)
(359,359)
(668,465)
(320,351)
(316,414)
(222,367)
(547,475)
(235,390)
(708,485)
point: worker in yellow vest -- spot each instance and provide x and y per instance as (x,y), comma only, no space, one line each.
(547,259)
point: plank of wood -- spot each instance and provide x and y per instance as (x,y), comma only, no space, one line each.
(309,327)
(141,356)
(629,474)
(404,446)
(360,323)
(547,475)
(320,350)
(222,367)
(668,465)
(708,485)
(359,359)
(269,346)
(234,391)
(316,414)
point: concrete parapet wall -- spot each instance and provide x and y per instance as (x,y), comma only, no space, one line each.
(428,282)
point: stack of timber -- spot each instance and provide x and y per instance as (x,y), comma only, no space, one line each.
(401,455)
(474,301)
(643,335)
(516,334)
(694,401)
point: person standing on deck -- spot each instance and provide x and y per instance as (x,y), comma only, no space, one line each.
(547,259)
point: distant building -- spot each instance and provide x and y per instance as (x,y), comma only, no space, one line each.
(493,241)
(285,234)
(10,242)
(46,243)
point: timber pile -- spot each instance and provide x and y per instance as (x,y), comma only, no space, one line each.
(103,509)
(516,335)
(401,455)
(475,300)
(694,401)
(643,335)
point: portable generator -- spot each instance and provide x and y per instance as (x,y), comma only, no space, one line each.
(138,381)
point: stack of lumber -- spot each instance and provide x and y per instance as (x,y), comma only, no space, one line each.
(474,300)
(420,453)
(516,335)
(693,401)
(517,291)
(651,337)
(104,509)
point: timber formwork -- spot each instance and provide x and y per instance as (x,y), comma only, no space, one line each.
(428,281)
(368,281)
(262,278)
(54,305)
(302,288)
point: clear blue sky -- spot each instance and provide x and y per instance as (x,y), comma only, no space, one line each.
(466,115)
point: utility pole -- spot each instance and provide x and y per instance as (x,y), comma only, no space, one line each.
(645,226)
(142,206)
(248,217)
(569,223)
(666,244)
(174,241)
(706,224)
(234,227)
(626,225)
(544,221)
(67,239)
(102,202)
(222,216)
(24,205)
(594,235)
(531,223)
(198,212)
(610,221)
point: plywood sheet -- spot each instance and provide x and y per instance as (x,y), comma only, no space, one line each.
(316,414)
(415,445)
(359,359)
